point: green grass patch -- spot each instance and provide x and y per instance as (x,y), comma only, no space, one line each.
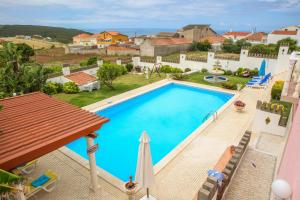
(199,78)
(122,84)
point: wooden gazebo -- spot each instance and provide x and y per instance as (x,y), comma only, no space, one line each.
(35,124)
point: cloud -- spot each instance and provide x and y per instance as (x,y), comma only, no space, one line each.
(75,4)
(141,12)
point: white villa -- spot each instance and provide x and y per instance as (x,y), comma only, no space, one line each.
(292,32)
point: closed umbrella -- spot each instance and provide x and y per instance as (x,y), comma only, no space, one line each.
(144,175)
(262,69)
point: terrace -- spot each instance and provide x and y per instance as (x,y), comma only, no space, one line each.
(189,167)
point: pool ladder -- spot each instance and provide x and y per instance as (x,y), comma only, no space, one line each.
(211,113)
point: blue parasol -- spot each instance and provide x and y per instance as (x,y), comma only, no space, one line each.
(262,69)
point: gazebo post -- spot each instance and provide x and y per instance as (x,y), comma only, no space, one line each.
(91,148)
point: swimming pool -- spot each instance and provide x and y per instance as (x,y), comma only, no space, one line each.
(169,114)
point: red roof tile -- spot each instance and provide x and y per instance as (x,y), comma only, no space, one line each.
(169,41)
(237,33)
(214,39)
(81,78)
(259,36)
(35,124)
(281,32)
(82,35)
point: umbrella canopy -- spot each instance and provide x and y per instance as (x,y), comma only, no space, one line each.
(262,69)
(144,174)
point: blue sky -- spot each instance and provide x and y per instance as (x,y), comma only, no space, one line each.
(265,15)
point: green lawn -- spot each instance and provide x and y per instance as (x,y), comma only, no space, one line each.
(198,78)
(122,84)
(129,82)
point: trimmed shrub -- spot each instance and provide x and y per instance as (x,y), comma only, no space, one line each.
(51,88)
(92,60)
(228,72)
(187,70)
(176,70)
(204,70)
(53,69)
(229,85)
(83,63)
(70,88)
(129,67)
(276,90)
(166,69)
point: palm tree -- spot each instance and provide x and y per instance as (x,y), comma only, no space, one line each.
(17,76)
(11,186)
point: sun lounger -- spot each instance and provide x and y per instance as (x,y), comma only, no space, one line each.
(26,169)
(47,182)
(260,84)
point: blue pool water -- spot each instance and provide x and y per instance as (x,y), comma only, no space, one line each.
(168,114)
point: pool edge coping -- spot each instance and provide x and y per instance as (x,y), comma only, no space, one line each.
(118,183)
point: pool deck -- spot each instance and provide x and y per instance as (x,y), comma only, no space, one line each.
(182,177)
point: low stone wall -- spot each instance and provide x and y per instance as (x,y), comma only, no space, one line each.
(211,189)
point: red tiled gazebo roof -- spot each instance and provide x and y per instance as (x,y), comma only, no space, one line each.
(35,124)
(81,78)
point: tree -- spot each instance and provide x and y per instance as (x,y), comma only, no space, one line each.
(92,60)
(17,54)
(201,46)
(108,72)
(10,183)
(242,43)
(25,51)
(288,41)
(16,74)
(264,49)
(234,47)
(228,46)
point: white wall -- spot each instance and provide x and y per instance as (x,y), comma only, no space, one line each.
(259,123)
(274,65)
(274,38)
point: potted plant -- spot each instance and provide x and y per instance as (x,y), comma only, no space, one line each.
(239,105)
(130,187)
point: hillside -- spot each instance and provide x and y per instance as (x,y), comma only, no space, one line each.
(58,34)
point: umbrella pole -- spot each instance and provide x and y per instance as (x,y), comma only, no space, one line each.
(148,193)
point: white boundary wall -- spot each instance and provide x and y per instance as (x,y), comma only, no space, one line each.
(246,60)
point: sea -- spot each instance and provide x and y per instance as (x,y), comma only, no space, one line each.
(131,32)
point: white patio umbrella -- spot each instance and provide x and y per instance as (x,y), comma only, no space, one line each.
(144,175)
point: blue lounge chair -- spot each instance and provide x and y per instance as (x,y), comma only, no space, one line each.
(260,83)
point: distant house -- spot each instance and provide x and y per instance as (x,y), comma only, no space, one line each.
(102,39)
(257,38)
(215,41)
(235,36)
(138,40)
(82,39)
(195,32)
(107,38)
(38,37)
(277,35)
(291,28)
(163,46)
